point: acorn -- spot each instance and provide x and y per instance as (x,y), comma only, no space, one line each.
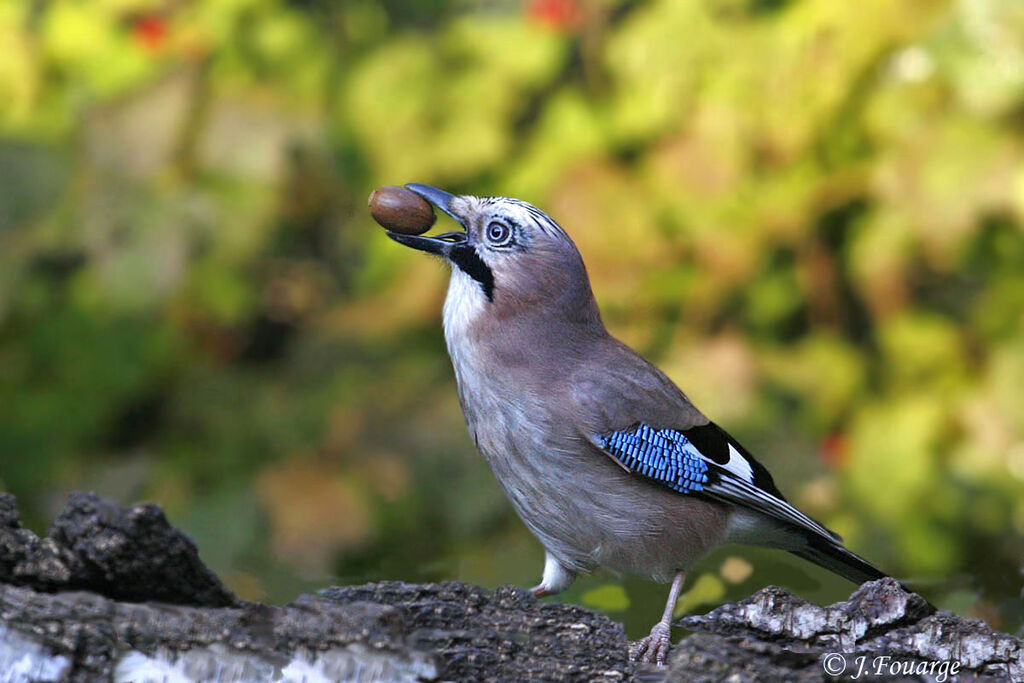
(400,210)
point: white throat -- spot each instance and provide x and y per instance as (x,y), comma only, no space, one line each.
(465,301)
(463,305)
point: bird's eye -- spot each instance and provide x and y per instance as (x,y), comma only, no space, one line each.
(498,233)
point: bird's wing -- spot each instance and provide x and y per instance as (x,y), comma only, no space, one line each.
(637,416)
(703,460)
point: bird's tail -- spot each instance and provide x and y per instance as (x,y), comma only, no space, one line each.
(836,558)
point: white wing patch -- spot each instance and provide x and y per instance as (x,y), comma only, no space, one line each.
(739,466)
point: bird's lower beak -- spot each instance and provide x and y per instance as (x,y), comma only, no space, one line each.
(441,244)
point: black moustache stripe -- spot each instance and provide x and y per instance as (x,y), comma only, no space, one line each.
(470,263)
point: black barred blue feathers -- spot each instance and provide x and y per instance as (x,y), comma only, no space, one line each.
(663,455)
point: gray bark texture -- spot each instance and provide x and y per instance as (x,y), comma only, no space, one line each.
(118,594)
(774,635)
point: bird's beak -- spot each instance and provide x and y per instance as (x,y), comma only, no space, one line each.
(441,244)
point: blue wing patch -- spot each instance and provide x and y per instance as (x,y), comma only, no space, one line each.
(719,469)
(663,455)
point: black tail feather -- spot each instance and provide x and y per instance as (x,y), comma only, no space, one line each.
(848,565)
(838,559)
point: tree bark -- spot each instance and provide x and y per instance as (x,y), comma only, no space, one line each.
(117,594)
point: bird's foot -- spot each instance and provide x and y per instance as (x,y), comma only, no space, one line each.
(654,648)
(539,591)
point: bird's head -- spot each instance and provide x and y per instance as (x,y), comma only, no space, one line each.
(518,258)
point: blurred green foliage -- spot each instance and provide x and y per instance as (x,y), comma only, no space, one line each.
(809,212)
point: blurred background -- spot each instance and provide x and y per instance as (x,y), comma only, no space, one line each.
(808,212)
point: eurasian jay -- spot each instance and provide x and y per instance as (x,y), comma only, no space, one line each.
(605,460)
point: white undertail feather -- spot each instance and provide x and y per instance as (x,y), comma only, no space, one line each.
(556,577)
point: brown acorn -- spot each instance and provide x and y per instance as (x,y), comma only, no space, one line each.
(400,210)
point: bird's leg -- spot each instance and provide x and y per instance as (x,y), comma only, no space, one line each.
(654,648)
(556,577)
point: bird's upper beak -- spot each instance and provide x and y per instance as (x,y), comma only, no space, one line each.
(441,244)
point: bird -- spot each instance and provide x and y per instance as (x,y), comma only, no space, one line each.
(605,460)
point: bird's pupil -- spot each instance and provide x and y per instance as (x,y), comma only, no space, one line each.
(497,232)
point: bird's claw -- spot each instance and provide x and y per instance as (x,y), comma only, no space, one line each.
(654,648)
(539,591)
